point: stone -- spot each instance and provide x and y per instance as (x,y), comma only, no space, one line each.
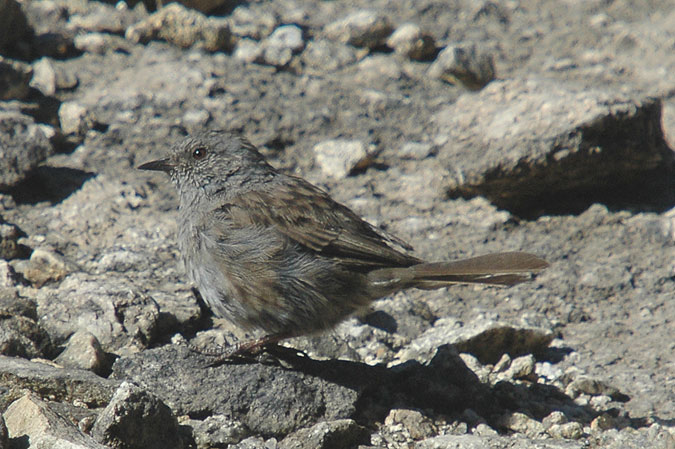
(23,145)
(521,368)
(338,158)
(280,46)
(327,435)
(9,241)
(255,24)
(108,307)
(409,40)
(184,28)
(8,276)
(15,79)
(84,351)
(44,77)
(46,265)
(364,28)
(248,50)
(416,150)
(519,142)
(75,118)
(325,56)
(32,418)
(592,387)
(521,423)
(569,431)
(101,43)
(267,399)
(136,419)
(59,384)
(465,65)
(104,18)
(217,431)
(415,423)
(487,340)
(20,335)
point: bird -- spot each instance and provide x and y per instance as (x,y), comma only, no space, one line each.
(272,252)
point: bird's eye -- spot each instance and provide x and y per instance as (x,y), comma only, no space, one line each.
(199,153)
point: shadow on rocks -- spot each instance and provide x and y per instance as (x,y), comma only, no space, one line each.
(445,385)
(283,390)
(51,184)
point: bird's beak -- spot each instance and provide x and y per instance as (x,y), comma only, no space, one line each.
(159,165)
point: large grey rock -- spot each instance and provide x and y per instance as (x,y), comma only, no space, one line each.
(68,385)
(520,142)
(267,399)
(23,146)
(33,419)
(136,419)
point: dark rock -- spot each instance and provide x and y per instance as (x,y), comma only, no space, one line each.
(4,435)
(15,77)
(9,244)
(18,376)
(269,400)
(136,419)
(14,28)
(23,146)
(20,335)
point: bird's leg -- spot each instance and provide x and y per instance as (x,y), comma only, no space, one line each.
(240,348)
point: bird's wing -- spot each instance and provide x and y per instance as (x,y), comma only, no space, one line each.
(308,216)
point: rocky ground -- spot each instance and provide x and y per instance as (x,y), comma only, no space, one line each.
(463,127)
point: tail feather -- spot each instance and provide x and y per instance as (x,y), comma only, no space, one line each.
(493,269)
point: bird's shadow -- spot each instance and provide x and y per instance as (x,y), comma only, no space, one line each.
(444,386)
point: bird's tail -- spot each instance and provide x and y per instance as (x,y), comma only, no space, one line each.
(495,269)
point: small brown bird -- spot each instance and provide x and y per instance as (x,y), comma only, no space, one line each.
(273,252)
